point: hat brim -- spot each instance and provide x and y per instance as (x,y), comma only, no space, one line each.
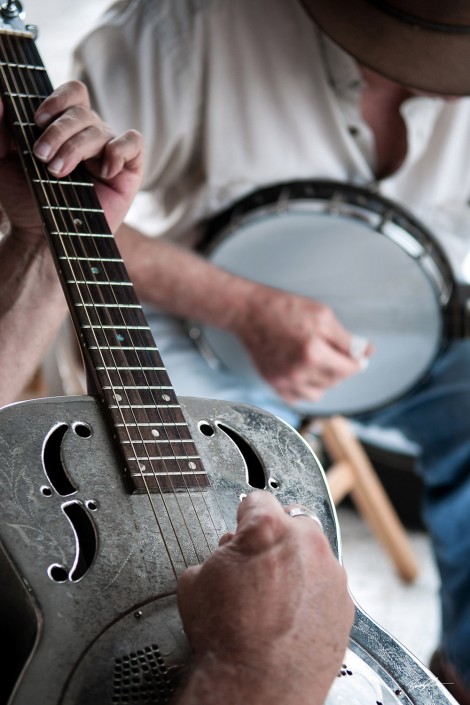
(425,59)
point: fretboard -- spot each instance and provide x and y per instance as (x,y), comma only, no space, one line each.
(119,350)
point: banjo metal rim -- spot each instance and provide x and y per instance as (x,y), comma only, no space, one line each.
(361,206)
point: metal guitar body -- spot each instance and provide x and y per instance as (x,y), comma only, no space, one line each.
(88,570)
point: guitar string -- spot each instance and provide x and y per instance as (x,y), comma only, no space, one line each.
(120,410)
(41,180)
(170,441)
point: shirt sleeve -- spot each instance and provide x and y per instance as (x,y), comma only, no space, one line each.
(143,67)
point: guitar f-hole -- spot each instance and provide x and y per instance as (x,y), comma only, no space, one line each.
(85,545)
(52,461)
(254,468)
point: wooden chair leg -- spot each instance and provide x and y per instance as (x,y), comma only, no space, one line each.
(369,496)
(352,473)
(341,480)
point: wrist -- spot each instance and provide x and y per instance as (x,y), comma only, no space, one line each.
(240,310)
(213,680)
(233,679)
(27,264)
(31,238)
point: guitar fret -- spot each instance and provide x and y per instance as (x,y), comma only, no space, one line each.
(70,208)
(164,424)
(171,473)
(22,66)
(156,369)
(25,95)
(115,389)
(93,305)
(150,388)
(62,182)
(144,406)
(80,235)
(164,457)
(19,123)
(148,441)
(117,327)
(121,347)
(95,283)
(106,329)
(66,258)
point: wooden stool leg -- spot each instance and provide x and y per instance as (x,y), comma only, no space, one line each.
(341,481)
(368,494)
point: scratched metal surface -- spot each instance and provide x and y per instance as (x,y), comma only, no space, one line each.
(124,603)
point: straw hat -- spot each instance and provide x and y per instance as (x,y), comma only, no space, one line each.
(424,44)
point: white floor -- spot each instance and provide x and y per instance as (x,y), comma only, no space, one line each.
(409,612)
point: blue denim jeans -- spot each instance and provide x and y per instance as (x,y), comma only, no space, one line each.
(435,417)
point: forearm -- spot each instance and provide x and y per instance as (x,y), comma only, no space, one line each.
(179,281)
(32,308)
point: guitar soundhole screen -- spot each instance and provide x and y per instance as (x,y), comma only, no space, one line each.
(142,677)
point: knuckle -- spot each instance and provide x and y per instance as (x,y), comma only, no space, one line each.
(324,315)
(314,394)
(135,136)
(263,531)
(313,356)
(78,88)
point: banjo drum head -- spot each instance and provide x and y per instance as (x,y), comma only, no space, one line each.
(381,282)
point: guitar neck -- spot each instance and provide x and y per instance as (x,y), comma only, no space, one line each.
(119,350)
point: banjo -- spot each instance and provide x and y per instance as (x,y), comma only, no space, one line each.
(377,267)
(108,497)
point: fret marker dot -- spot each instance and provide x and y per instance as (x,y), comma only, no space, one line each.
(77,222)
(120,337)
(192,465)
(141,466)
(155,433)
(166,397)
(95,270)
(118,397)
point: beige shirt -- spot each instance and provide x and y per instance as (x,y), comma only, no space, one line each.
(233,95)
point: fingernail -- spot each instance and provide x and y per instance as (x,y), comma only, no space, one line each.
(56,165)
(42,119)
(42,150)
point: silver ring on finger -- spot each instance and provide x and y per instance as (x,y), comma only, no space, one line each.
(304,512)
